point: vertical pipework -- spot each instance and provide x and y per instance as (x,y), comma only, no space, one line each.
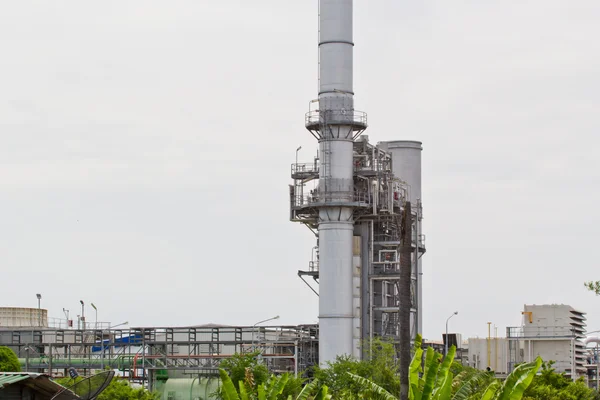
(336,223)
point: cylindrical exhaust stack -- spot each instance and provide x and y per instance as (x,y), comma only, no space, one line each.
(336,184)
(335,54)
(406,163)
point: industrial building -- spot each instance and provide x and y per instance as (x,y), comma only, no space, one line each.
(155,357)
(23,317)
(352,196)
(489,353)
(555,332)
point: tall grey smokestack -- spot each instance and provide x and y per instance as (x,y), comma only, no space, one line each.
(335,124)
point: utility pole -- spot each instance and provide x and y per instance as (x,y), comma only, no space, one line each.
(404,297)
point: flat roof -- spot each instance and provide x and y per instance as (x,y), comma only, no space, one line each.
(38,382)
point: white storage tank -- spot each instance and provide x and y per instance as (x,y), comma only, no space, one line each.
(19,317)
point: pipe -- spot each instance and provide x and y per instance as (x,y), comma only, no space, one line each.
(371,285)
(495,348)
(489,346)
(192,387)
(591,339)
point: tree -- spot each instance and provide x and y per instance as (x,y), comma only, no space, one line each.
(379,366)
(549,384)
(593,286)
(118,389)
(240,365)
(9,362)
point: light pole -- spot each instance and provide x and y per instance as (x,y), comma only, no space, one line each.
(82,315)
(297,150)
(96,310)
(39,297)
(446,341)
(258,323)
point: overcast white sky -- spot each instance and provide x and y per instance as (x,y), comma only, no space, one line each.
(145,151)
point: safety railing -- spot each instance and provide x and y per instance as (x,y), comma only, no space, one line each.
(316,199)
(305,168)
(349,117)
(60,323)
(372,166)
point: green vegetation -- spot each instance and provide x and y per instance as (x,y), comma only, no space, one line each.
(240,365)
(380,366)
(549,385)
(272,389)
(431,377)
(433,380)
(250,377)
(593,286)
(118,389)
(8,360)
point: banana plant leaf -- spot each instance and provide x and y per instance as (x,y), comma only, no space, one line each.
(466,388)
(416,368)
(515,384)
(262,393)
(372,388)
(307,390)
(229,390)
(243,394)
(444,392)
(323,394)
(278,386)
(430,377)
(429,354)
(491,390)
(444,377)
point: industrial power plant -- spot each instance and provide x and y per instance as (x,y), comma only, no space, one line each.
(361,201)
(355,207)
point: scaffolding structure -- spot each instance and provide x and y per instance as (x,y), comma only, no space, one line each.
(378,200)
(144,354)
